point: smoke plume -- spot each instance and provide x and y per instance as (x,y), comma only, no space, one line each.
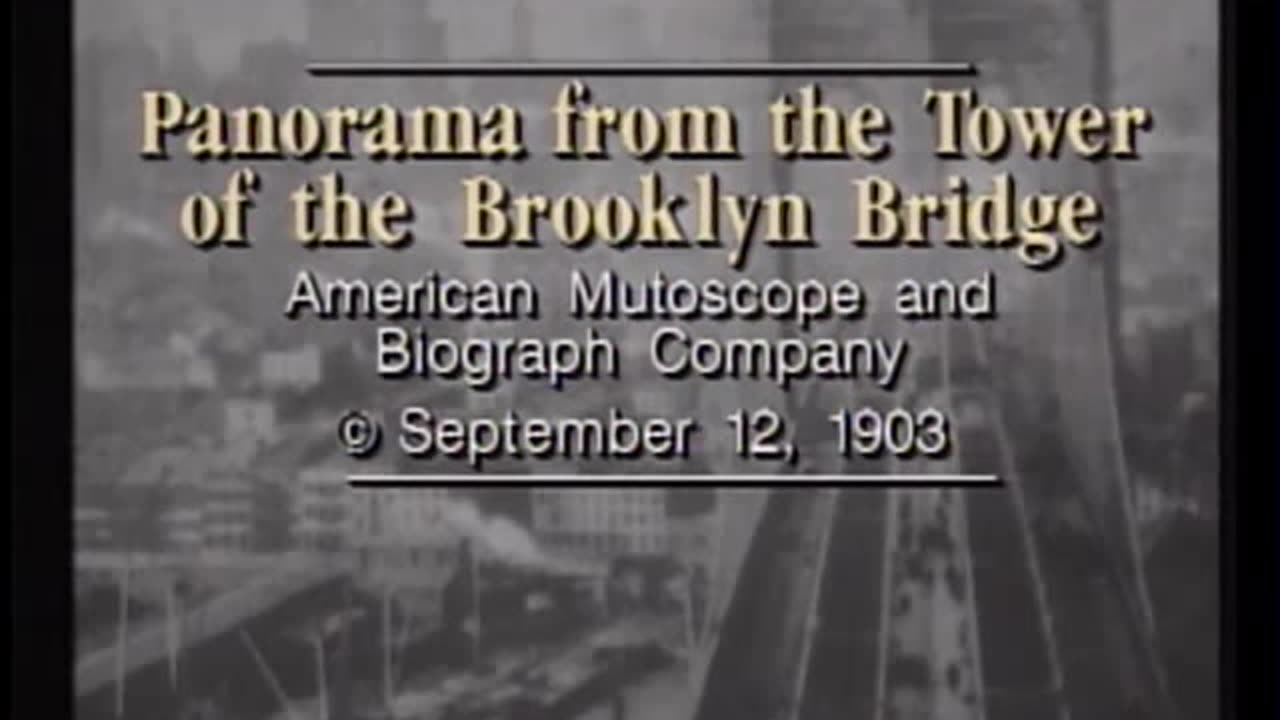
(504,540)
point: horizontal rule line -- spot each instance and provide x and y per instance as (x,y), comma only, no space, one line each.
(598,480)
(640,69)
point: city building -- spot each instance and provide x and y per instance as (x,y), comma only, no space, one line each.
(182,522)
(405,549)
(215,514)
(322,511)
(599,524)
(150,370)
(93,515)
(249,425)
(693,541)
(93,530)
(228,516)
(402,536)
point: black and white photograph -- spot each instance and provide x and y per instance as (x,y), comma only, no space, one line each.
(237,558)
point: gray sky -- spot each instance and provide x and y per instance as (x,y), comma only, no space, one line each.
(218,29)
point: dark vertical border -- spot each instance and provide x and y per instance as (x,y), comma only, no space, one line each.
(1228,396)
(1249,439)
(40,271)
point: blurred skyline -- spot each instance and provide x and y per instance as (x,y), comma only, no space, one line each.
(217,30)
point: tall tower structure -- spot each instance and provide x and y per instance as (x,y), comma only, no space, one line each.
(932,662)
(1022,44)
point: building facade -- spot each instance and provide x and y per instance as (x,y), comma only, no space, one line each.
(402,537)
(249,426)
(227,517)
(322,512)
(93,528)
(183,525)
(600,524)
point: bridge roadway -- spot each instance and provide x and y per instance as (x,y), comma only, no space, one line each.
(217,635)
(1020,678)
(1059,638)
(843,678)
(758,663)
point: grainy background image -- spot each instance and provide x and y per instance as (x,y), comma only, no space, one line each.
(224,569)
